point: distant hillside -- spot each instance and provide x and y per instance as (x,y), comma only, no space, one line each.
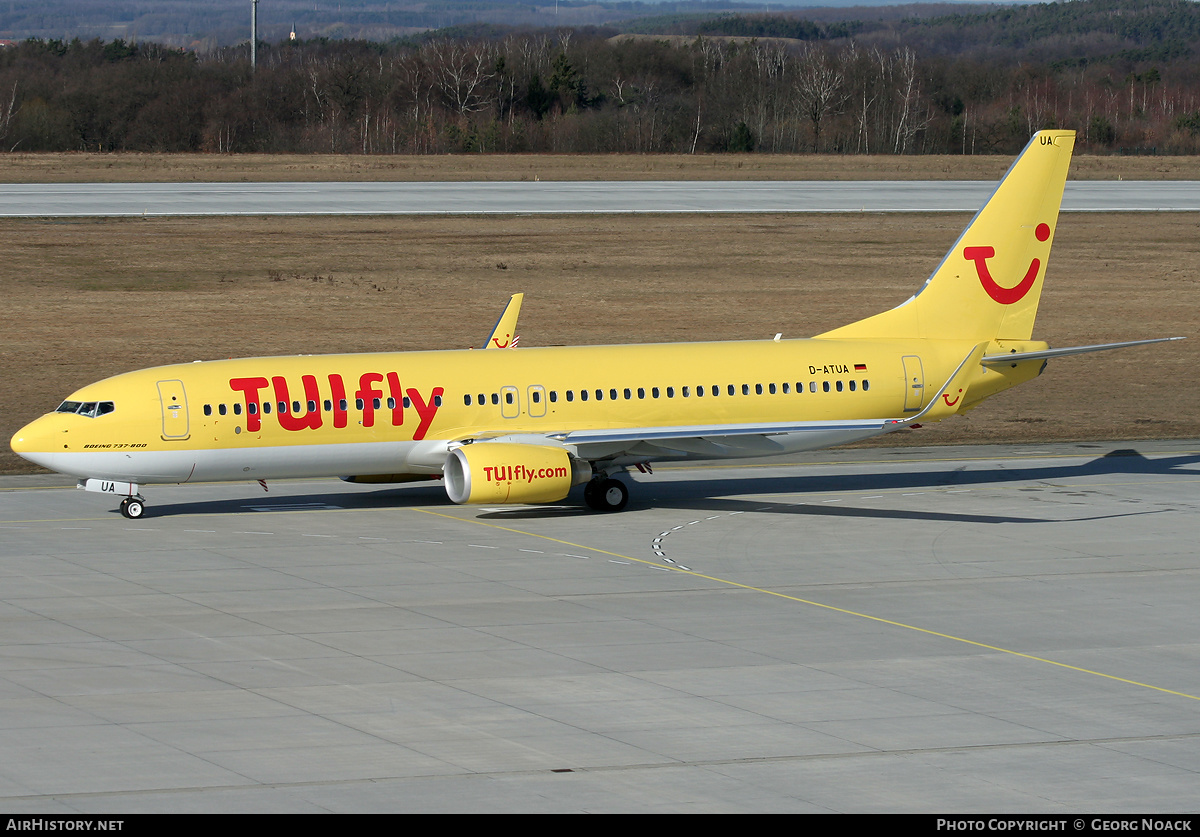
(213,23)
(1066,33)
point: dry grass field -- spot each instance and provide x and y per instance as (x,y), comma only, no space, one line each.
(78,168)
(84,299)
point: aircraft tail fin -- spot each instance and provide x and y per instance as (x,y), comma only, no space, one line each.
(988,286)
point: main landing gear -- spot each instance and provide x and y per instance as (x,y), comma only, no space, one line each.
(606,495)
(133,507)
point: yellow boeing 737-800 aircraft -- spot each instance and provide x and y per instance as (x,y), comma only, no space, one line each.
(525,426)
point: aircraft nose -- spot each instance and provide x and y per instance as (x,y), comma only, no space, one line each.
(33,438)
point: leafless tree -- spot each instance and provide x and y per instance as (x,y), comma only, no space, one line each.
(462,70)
(819,89)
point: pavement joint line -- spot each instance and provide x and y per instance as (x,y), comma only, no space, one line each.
(832,608)
(873,753)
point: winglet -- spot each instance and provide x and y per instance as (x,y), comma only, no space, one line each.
(949,398)
(504,335)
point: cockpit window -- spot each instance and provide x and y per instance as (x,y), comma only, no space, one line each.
(91,409)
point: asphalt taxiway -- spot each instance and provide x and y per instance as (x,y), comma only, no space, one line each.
(940,629)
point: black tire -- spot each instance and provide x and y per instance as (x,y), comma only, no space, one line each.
(606,495)
(133,508)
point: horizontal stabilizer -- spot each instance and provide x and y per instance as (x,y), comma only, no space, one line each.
(1014,357)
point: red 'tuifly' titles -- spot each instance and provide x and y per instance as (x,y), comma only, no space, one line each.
(369,389)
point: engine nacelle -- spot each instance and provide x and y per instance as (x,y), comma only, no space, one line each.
(499,472)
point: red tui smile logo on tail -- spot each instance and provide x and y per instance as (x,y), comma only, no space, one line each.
(1005,296)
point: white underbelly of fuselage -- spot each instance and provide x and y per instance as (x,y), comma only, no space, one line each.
(226,464)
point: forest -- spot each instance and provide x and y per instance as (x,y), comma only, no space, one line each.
(1123,73)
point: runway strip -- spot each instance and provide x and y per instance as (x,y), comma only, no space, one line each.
(159,199)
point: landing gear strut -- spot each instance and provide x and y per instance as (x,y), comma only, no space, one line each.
(606,495)
(133,507)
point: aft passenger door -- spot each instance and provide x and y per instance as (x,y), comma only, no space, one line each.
(914,384)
